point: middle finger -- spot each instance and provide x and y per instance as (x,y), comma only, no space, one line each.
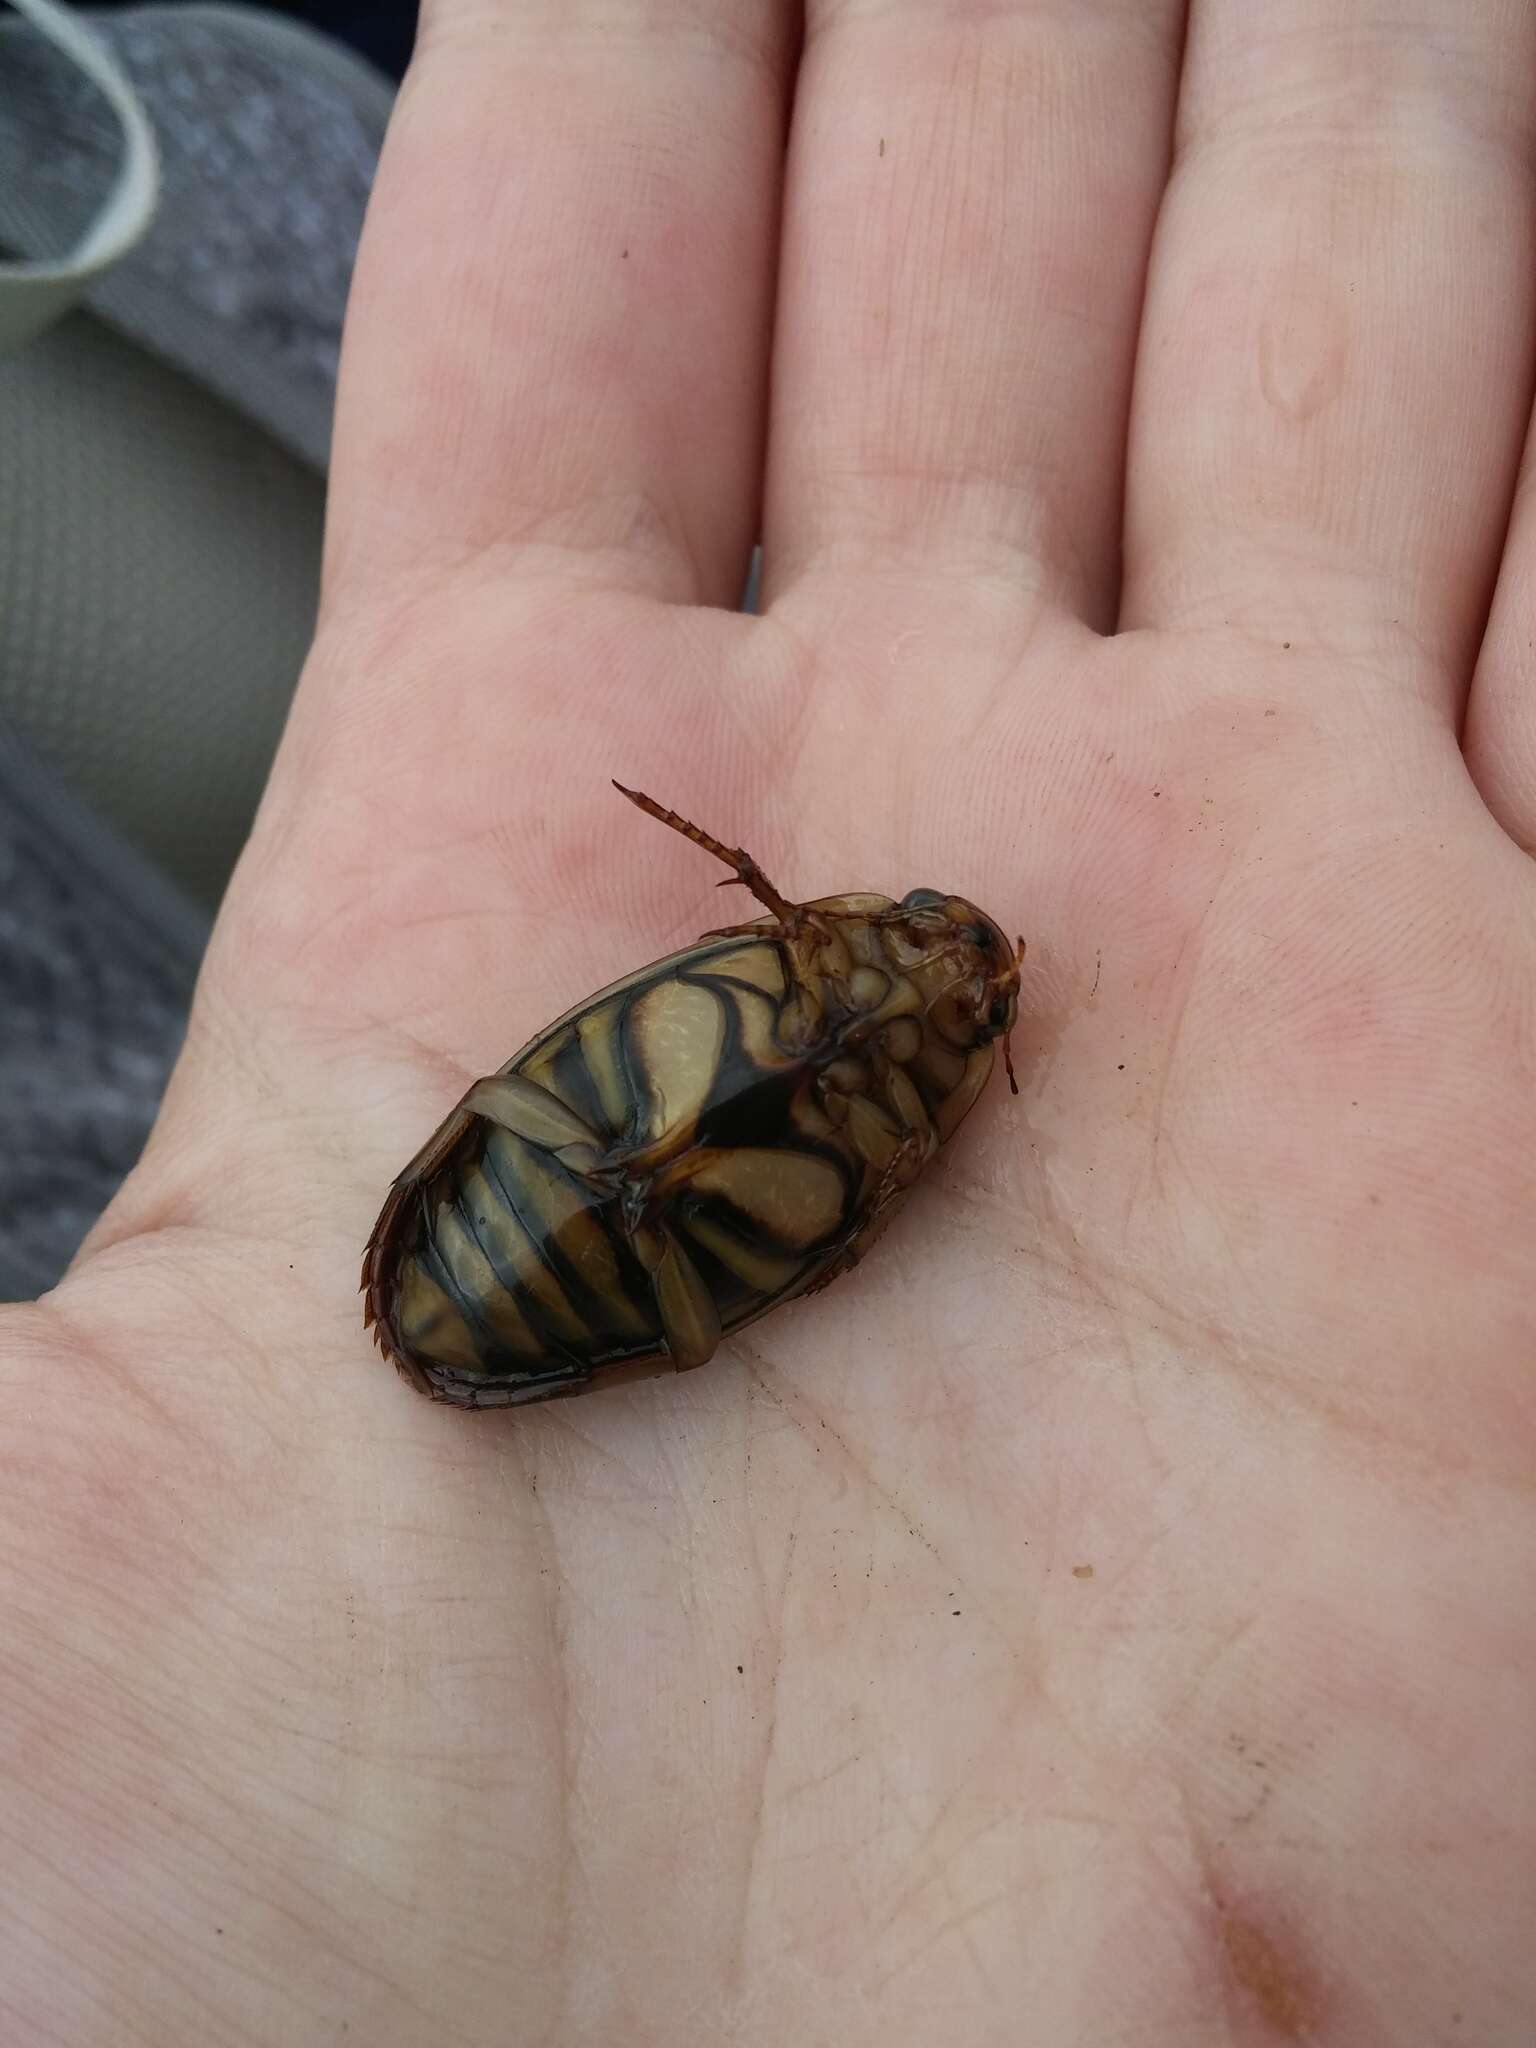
(970,198)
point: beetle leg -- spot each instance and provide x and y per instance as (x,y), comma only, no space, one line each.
(761,929)
(895,1184)
(901,1093)
(690,1321)
(529,1111)
(896,1135)
(686,1307)
(898,1142)
(748,874)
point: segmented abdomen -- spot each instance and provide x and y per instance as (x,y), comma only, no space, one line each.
(650,1172)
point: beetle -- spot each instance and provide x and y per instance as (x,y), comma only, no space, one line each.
(713,1135)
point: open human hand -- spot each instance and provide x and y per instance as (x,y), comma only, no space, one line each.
(1106,1616)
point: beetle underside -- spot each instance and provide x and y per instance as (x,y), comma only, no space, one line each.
(714,1135)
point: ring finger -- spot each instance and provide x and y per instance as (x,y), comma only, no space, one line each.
(1337,352)
(971,194)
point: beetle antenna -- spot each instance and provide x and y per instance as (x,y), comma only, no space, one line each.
(748,874)
(1010,978)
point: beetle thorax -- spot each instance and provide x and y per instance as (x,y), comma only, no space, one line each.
(897,972)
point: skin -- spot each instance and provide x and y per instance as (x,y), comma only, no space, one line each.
(1106,1617)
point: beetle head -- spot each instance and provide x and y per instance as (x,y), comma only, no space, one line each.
(980,992)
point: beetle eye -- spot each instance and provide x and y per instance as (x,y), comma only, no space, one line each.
(997,1016)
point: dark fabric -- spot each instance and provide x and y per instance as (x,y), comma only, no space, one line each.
(383,31)
(269,136)
(98,955)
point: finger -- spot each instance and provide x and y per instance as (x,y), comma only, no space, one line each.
(1337,351)
(556,340)
(1500,738)
(970,199)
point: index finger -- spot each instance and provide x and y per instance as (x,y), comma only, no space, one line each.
(556,344)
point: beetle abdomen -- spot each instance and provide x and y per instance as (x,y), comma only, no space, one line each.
(516,1274)
(670,1178)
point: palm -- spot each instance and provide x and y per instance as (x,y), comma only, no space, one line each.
(1218,1137)
(1130,1532)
